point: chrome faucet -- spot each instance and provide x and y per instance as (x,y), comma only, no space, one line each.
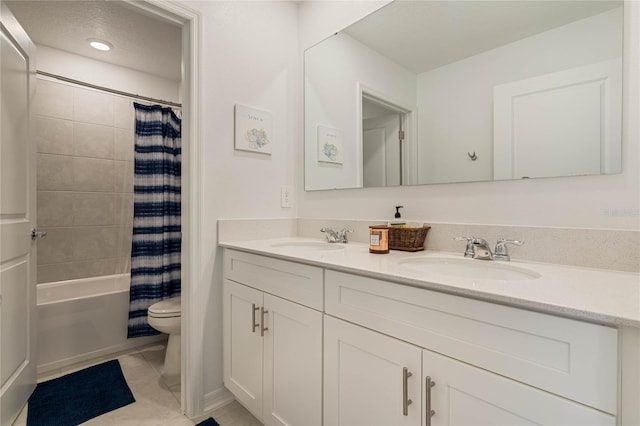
(340,236)
(501,252)
(478,248)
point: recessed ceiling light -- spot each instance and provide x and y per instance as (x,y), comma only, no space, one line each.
(98,44)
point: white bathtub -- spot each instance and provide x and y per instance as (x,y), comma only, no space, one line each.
(83,319)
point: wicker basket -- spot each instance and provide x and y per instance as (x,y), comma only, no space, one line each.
(406,239)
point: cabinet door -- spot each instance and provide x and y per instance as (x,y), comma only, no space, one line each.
(242,355)
(467,395)
(292,364)
(364,377)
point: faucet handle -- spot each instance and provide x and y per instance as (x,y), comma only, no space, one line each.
(501,252)
(329,234)
(469,251)
(343,235)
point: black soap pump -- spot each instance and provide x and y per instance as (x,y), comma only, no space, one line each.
(398,222)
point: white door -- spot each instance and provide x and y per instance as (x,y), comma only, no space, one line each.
(381,151)
(464,395)
(17,218)
(560,124)
(242,343)
(365,377)
(292,364)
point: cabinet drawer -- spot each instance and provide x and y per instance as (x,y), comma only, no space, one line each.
(570,358)
(292,281)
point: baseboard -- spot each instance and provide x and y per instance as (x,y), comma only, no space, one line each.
(111,350)
(217,399)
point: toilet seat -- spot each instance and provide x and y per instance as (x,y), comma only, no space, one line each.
(168,308)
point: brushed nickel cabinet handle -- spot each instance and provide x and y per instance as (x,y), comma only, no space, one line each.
(405,391)
(429,412)
(263,311)
(254,325)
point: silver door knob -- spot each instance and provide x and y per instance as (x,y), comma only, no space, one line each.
(35,234)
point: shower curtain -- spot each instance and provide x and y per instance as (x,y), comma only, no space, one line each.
(155,249)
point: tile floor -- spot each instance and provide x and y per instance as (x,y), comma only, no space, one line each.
(156,404)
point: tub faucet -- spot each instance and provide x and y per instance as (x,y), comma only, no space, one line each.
(340,236)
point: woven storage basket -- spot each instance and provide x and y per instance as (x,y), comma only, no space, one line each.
(407,239)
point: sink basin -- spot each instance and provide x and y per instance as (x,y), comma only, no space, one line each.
(470,268)
(309,246)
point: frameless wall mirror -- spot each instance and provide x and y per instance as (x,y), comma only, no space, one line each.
(423,92)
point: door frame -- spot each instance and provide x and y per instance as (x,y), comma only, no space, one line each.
(192,344)
(409,124)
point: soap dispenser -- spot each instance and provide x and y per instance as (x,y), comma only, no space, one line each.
(398,222)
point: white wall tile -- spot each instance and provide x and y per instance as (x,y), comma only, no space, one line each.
(93,208)
(54,99)
(124,144)
(123,113)
(92,140)
(56,247)
(92,175)
(55,208)
(54,135)
(94,242)
(54,172)
(92,107)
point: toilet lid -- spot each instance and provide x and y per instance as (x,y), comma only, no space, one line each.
(166,308)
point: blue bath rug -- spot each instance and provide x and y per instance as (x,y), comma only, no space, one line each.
(209,422)
(77,397)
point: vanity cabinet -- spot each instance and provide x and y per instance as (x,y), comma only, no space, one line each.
(373,379)
(510,364)
(305,345)
(273,346)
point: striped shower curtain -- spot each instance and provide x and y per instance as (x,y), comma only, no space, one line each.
(155,250)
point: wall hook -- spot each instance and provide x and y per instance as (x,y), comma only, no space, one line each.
(473,156)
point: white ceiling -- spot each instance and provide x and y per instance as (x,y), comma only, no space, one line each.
(423,35)
(141,41)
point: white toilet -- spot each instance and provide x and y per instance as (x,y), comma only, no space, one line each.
(165,316)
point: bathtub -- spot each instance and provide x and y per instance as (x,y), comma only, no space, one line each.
(84,319)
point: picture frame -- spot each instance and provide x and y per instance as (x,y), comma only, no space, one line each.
(329,145)
(253,129)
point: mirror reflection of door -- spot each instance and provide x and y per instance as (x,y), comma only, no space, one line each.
(382,139)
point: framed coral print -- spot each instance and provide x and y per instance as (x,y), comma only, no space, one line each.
(329,145)
(253,129)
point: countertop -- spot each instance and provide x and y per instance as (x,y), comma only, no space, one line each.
(598,295)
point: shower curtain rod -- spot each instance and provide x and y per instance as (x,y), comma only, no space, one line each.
(106,89)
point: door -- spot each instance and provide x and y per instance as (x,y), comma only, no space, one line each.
(292,364)
(467,395)
(242,343)
(382,151)
(17,217)
(560,124)
(365,377)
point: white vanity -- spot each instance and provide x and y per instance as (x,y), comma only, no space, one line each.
(318,333)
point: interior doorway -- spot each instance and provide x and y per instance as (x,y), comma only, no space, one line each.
(383,142)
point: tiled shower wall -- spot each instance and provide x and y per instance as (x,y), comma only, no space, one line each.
(85,181)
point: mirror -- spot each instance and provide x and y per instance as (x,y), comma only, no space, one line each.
(423,92)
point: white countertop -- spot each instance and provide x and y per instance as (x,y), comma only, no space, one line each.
(598,295)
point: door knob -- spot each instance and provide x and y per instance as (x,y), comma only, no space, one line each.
(35,234)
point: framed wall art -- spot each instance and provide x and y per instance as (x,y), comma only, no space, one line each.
(329,145)
(253,129)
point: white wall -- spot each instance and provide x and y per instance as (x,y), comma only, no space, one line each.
(591,202)
(107,75)
(462,92)
(248,55)
(334,72)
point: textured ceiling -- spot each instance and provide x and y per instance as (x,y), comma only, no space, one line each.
(141,41)
(423,35)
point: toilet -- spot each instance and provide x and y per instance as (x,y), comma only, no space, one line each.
(165,316)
